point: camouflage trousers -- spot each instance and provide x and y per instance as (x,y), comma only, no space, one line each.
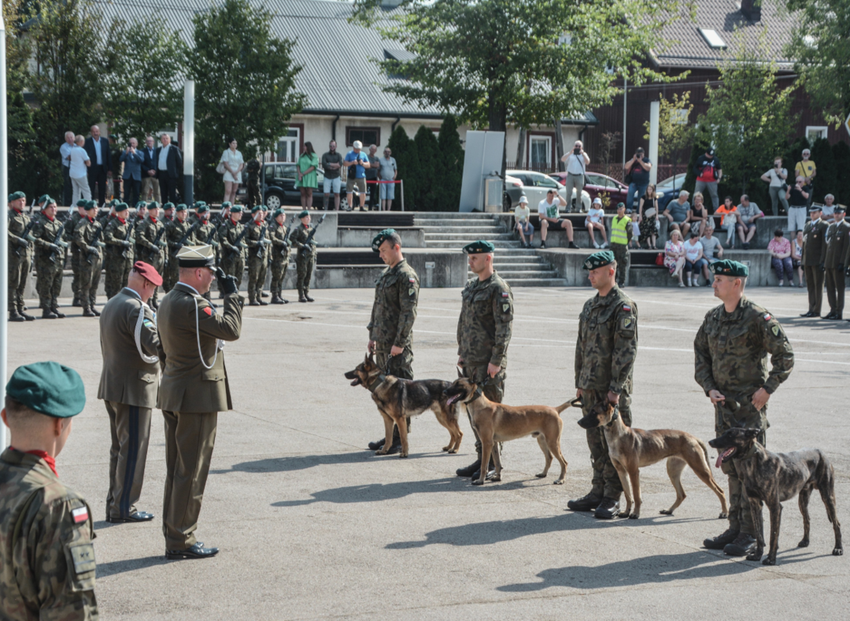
(117,273)
(494,391)
(304,262)
(89,280)
(621,256)
(253,194)
(19,272)
(606,481)
(279,267)
(257,268)
(400,366)
(49,283)
(740,514)
(75,270)
(233,264)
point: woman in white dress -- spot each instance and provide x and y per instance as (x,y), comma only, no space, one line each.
(233,165)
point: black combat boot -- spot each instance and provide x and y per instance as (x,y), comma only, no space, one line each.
(585,503)
(471,469)
(722,540)
(14,315)
(24,315)
(48,314)
(608,509)
(743,545)
(87,312)
(55,311)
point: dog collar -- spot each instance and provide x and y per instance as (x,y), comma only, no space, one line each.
(378,381)
(614,417)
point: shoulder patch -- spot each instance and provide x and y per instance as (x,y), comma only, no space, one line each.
(627,308)
(505,294)
(412,279)
(767,317)
(82,556)
(209,311)
(80,515)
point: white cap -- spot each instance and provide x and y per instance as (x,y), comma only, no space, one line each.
(597,201)
(357,144)
(523,199)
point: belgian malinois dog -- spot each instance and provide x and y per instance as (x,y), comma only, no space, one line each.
(496,423)
(774,478)
(632,449)
(399,398)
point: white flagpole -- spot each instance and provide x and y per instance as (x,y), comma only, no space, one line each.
(4,225)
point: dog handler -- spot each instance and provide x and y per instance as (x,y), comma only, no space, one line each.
(484,331)
(731,350)
(605,357)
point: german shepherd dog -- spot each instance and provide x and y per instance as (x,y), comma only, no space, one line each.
(399,398)
(774,478)
(496,423)
(632,449)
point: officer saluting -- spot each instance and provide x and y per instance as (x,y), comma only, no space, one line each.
(129,385)
(194,389)
(47,566)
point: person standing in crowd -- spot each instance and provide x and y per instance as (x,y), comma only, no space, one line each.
(169,168)
(389,171)
(149,244)
(150,183)
(47,563)
(233,251)
(118,254)
(776,179)
(780,258)
(100,171)
(80,163)
(332,184)
(621,235)
(305,260)
(731,349)
(129,386)
(357,163)
(133,161)
(798,202)
(522,216)
(71,223)
(576,164)
(87,236)
(814,258)
(194,390)
(253,187)
(393,313)
(748,214)
(806,169)
(233,164)
(548,211)
(372,177)
(257,241)
(637,172)
(484,331)
(648,218)
(837,249)
(49,260)
(65,155)
(178,233)
(280,255)
(308,178)
(709,173)
(604,362)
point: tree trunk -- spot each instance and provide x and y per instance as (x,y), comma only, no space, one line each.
(559,146)
(497,118)
(520,148)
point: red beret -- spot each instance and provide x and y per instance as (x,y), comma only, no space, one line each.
(148,271)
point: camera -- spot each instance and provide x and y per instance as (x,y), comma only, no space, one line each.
(577,150)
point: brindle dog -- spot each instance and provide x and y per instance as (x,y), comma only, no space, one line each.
(399,398)
(774,478)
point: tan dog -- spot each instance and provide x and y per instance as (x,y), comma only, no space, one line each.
(631,449)
(496,423)
(399,398)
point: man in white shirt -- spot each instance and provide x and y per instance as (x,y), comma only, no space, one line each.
(150,184)
(169,169)
(547,210)
(65,154)
(79,164)
(577,162)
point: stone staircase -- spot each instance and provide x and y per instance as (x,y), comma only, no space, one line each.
(520,267)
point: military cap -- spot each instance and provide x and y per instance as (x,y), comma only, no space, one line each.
(49,201)
(167,206)
(16,195)
(226,205)
(153,205)
(381,237)
(90,205)
(141,204)
(255,208)
(727,267)
(180,207)
(202,207)
(82,202)
(598,259)
(119,207)
(815,208)
(43,198)
(623,205)
(49,388)
(304,213)
(479,247)
(196,256)
(234,208)
(277,212)
(840,209)
(148,272)
(112,203)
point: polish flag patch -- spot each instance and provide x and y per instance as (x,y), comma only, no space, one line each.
(80,515)
(504,294)
(767,317)
(626,308)
(412,279)
(208,311)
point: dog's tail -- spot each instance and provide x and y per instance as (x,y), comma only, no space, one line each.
(704,448)
(572,403)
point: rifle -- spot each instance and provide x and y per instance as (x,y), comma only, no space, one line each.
(188,234)
(95,243)
(156,242)
(58,241)
(286,239)
(131,227)
(261,251)
(312,233)
(210,236)
(24,234)
(239,239)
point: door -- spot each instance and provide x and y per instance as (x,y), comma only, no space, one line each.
(541,152)
(287,147)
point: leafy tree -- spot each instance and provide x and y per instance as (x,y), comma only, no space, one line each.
(244,84)
(827,173)
(142,79)
(674,131)
(403,151)
(449,165)
(841,157)
(428,195)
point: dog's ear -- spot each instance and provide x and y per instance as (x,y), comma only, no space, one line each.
(459,373)
(751,433)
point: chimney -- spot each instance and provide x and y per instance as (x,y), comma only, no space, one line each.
(751,9)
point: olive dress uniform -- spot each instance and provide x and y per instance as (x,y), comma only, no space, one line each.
(814,255)
(87,237)
(232,252)
(194,389)
(305,260)
(279,260)
(257,241)
(149,250)
(19,260)
(49,261)
(118,253)
(837,248)
(129,386)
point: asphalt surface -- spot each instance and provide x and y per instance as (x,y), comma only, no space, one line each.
(313,526)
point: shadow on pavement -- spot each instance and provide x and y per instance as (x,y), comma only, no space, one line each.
(299,462)
(132,564)
(376,492)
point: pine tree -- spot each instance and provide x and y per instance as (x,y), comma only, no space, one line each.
(403,151)
(450,165)
(429,193)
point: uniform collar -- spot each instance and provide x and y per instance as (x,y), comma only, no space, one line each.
(51,218)
(41,455)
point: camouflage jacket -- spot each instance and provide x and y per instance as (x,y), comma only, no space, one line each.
(837,245)
(731,351)
(256,249)
(394,309)
(607,343)
(176,231)
(18,224)
(205,234)
(299,236)
(115,234)
(47,566)
(86,237)
(227,235)
(146,233)
(253,170)
(45,233)
(71,223)
(277,233)
(486,320)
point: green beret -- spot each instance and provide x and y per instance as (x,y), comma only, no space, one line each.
(153,205)
(255,208)
(199,203)
(90,205)
(49,201)
(277,212)
(141,205)
(180,207)
(598,259)
(381,237)
(82,202)
(304,214)
(479,247)
(167,206)
(226,204)
(234,209)
(49,388)
(727,267)
(16,195)
(112,203)
(44,198)
(119,207)
(201,207)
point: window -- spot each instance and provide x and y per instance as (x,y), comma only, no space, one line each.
(366,135)
(543,181)
(712,38)
(541,152)
(289,146)
(814,132)
(679,116)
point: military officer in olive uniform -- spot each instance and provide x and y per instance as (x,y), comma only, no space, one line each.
(19,255)
(257,241)
(280,255)
(230,236)
(118,254)
(835,261)
(194,389)
(731,350)
(70,227)
(484,331)
(305,260)
(47,563)
(393,313)
(87,236)
(178,233)
(814,255)
(605,357)
(150,243)
(129,386)
(253,187)
(49,260)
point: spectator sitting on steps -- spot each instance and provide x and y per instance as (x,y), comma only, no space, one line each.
(547,210)
(677,213)
(522,214)
(748,213)
(712,250)
(596,221)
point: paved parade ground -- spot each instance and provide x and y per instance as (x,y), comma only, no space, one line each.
(313,526)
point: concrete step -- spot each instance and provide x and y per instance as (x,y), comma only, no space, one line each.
(463,236)
(477,229)
(536,282)
(536,273)
(446,215)
(455,245)
(499,260)
(454,222)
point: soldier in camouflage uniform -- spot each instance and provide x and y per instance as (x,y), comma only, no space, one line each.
(150,243)
(118,254)
(88,235)
(305,260)
(177,231)
(253,187)
(223,215)
(280,255)
(257,241)
(70,226)
(19,255)
(484,331)
(605,357)
(167,213)
(233,251)
(49,260)
(47,564)
(731,350)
